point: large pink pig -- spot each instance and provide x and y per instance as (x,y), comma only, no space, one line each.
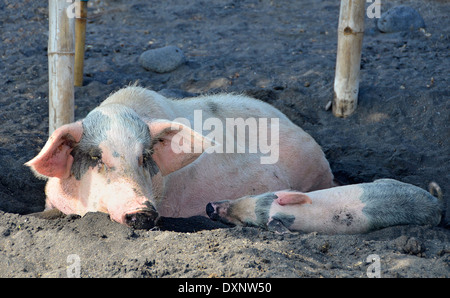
(140,155)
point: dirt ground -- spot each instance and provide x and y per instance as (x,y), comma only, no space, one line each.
(282,52)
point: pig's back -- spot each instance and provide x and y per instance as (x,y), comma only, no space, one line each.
(224,106)
(146,103)
(150,104)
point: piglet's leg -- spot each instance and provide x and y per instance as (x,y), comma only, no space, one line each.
(277,226)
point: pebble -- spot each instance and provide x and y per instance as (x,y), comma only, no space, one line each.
(409,245)
(400,18)
(162,60)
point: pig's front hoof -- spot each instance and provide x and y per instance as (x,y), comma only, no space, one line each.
(141,220)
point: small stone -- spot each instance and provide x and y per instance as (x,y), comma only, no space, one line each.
(413,246)
(409,245)
(162,60)
(400,18)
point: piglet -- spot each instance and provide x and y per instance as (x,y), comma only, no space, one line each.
(350,209)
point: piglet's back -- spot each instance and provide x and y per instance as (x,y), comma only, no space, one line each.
(390,202)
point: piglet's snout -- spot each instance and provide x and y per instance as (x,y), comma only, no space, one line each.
(218,210)
(211,211)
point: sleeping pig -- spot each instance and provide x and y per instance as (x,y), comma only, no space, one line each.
(350,209)
(139,156)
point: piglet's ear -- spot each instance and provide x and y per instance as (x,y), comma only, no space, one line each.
(55,160)
(175,145)
(291,197)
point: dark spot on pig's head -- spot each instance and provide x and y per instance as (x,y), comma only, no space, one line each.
(87,153)
(83,159)
(262,207)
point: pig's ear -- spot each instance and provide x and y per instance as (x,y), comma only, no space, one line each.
(291,197)
(55,160)
(175,145)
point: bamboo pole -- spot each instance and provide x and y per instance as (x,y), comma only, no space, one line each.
(80,39)
(60,64)
(348,60)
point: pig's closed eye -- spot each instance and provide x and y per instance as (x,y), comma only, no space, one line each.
(146,157)
(95,157)
(95,154)
(148,162)
(84,158)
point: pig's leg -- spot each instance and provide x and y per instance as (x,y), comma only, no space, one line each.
(276,226)
(48,214)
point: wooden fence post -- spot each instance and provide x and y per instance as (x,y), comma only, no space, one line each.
(348,60)
(80,39)
(61,51)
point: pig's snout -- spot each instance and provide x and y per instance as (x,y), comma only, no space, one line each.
(211,212)
(143,219)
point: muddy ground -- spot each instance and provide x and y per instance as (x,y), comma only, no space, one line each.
(282,52)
